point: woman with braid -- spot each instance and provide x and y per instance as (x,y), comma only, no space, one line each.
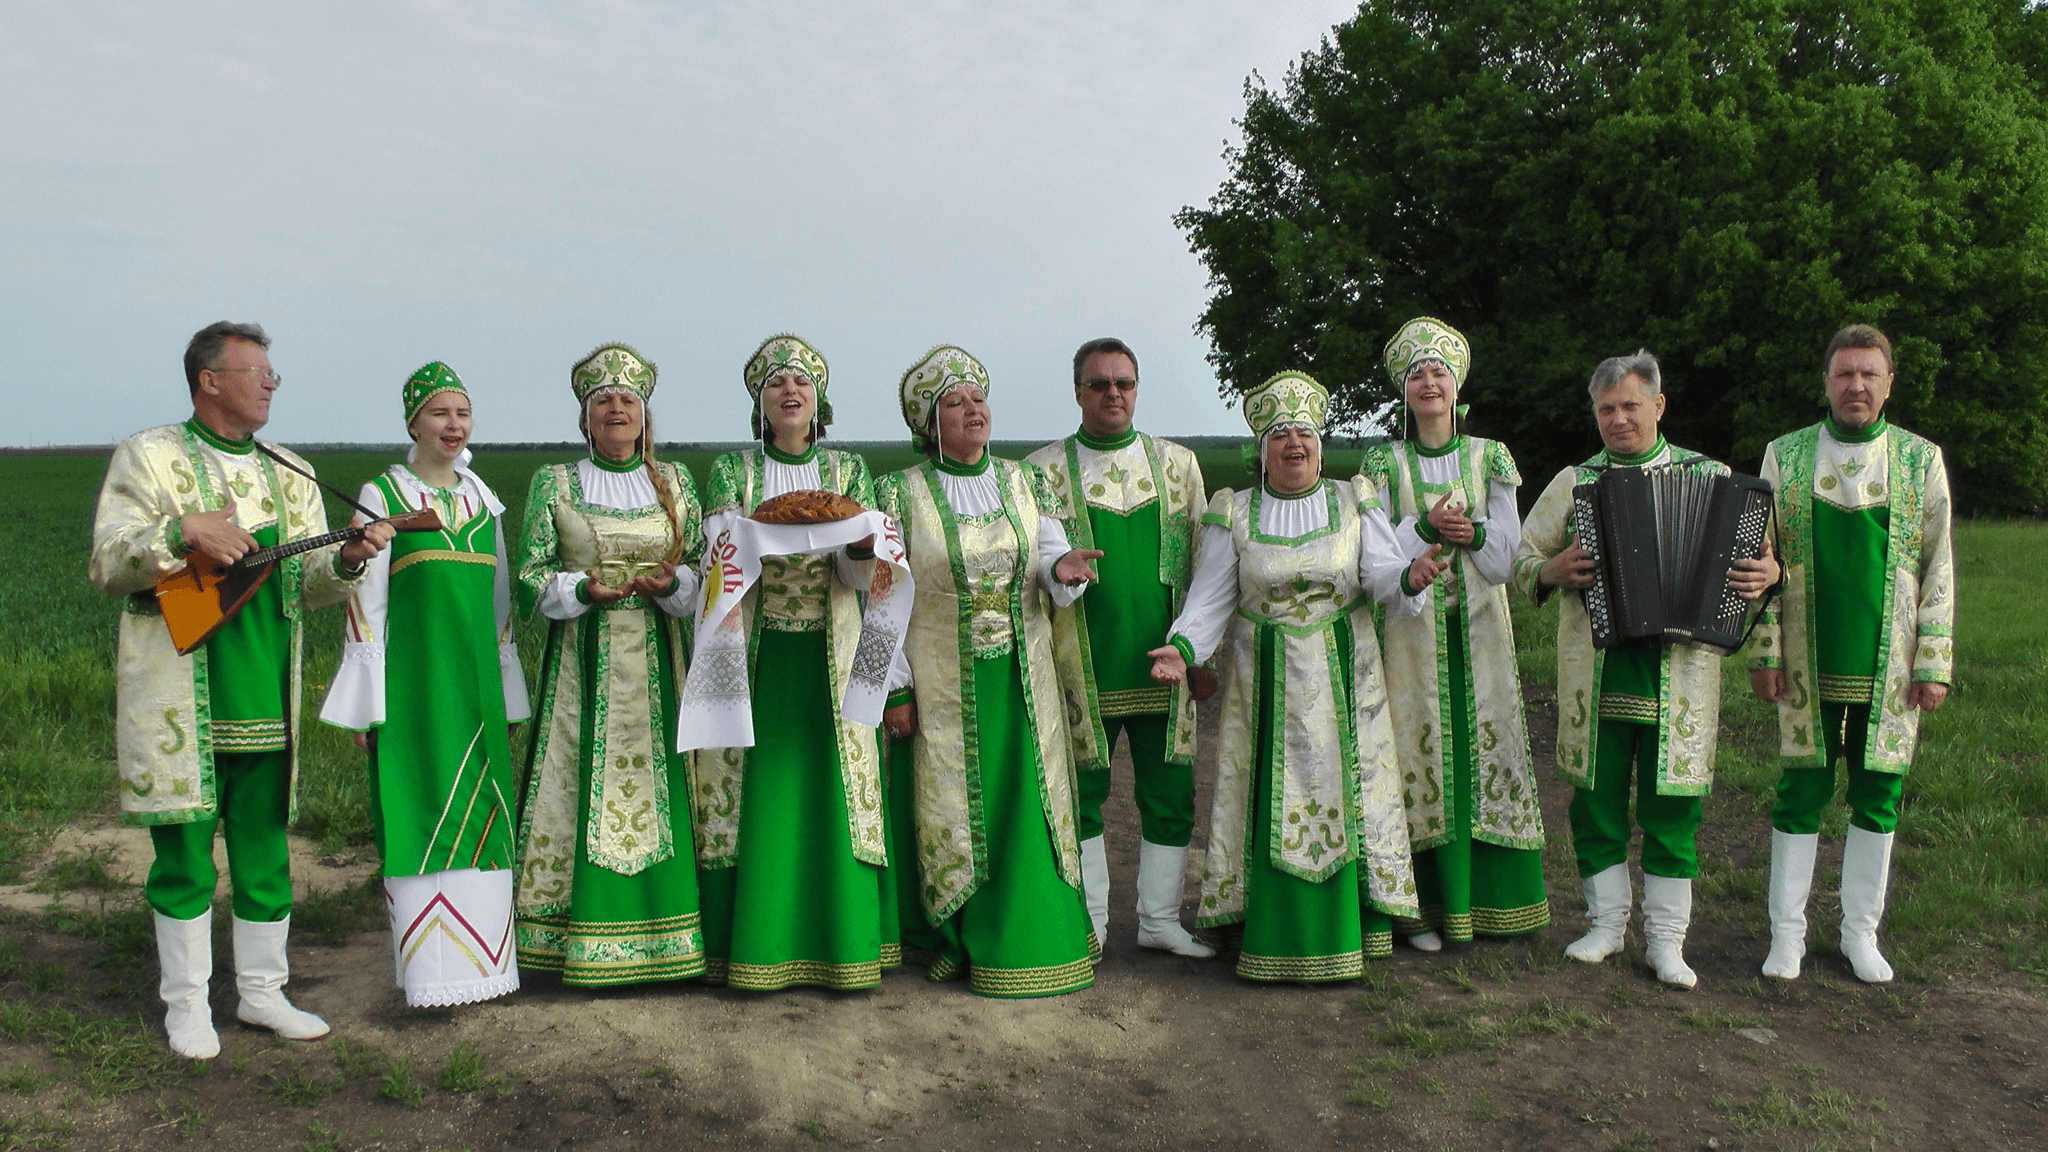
(607,890)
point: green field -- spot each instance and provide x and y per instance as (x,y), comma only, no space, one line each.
(1971,879)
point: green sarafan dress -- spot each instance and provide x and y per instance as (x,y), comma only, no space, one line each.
(998,864)
(1467,783)
(790,832)
(430,668)
(607,888)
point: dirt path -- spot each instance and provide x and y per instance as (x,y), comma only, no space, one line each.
(1503,1045)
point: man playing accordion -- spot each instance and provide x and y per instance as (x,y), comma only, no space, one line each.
(1642,709)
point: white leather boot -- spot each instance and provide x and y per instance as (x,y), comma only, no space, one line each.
(184,953)
(260,973)
(1866,876)
(1608,896)
(1160,873)
(1426,941)
(1667,912)
(1095,890)
(1791,882)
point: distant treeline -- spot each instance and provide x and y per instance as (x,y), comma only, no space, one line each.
(1006,448)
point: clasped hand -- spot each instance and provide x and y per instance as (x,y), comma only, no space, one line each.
(1451,523)
(653,585)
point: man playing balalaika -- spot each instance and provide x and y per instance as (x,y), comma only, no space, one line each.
(1862,644)
(209,736)
(1640,708)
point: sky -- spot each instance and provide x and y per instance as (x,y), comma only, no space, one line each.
(505,186)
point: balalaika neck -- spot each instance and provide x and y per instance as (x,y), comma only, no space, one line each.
(277,552)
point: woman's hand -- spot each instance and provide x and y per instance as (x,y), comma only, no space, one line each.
(653,585)
(1451,523)
(900,721)
(1752,578)
(604,595)
(1168,665)
(1073,568)
(361,741)
(1426,568)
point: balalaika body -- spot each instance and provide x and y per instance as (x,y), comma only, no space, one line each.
(1663,539)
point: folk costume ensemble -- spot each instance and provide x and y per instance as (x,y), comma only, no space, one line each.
(1864,517)
(1308,846)
(998,863)
(790,832)
(1467,784)
(1138,500)
(1632,719)
(211,737)
(430,668)
(607,890)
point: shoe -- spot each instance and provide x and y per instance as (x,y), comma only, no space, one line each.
(1095,891)
(1608,896)
(184,952)
(1791,882)
(1667,912)
(260,973)
(1866,875)
(1161,871)
(1426,942)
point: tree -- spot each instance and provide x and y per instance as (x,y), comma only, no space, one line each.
(1724,183)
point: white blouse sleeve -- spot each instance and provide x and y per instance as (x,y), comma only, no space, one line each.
(557,601)
(1052,544)
(510,672)
(1496,557)
(1212,594)
(1407,530)
(355,701)
(1381,564)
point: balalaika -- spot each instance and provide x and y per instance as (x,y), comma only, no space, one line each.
(1663,539)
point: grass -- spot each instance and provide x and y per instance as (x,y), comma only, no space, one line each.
(1433,1032)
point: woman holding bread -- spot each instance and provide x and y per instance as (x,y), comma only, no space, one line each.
(607,889)
(1000,869)
(790,848)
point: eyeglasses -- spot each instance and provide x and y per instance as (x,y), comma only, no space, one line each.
(1103,383)
(269,374)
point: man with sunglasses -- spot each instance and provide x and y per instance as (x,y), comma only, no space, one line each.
(209,738)
(1140,501)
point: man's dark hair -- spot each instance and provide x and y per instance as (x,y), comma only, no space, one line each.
(1856,336)
(204,352)
(1103,344)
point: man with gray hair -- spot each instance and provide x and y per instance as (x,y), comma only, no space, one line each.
(1640,709)
(209,737)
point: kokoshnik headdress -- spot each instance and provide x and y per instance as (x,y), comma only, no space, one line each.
(785,353)
(612,368)
(941,370)
(430,381)
(1288,399)
(1428,338)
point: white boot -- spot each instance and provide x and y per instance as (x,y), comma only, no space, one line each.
(184,952)
(1160,873)
(1667,911)
(1866,874)
(1426,941)
(1791,881)
(260,973)
(1608,896)
(1095,889)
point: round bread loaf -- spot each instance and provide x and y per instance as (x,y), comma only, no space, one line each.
(809,506)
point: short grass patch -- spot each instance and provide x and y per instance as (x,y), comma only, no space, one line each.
(1432,1032)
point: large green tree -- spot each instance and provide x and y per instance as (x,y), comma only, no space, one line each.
(1724,183)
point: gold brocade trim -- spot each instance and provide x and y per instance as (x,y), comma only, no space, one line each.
(716,969)
(249,735)
(1844,689)
(892,956)
(593,955)
(944,968)
(411,558)
(1304,969)
(1622,706)
(1135,701)
(772,624)
(1016,982)
(1511,921)
(1376,946)
(812,973)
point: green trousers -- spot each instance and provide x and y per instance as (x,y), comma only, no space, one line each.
(1803,793)
(1165,792)
(1600,816)
(255,801)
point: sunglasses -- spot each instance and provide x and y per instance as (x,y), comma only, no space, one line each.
(1103,383)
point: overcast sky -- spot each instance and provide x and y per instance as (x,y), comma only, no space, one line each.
(505,186)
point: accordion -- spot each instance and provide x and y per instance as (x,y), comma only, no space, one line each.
(1662,541)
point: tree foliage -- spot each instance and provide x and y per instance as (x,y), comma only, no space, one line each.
(1724,183)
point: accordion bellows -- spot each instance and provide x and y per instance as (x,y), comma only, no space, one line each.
(1663,540)
(808,506)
